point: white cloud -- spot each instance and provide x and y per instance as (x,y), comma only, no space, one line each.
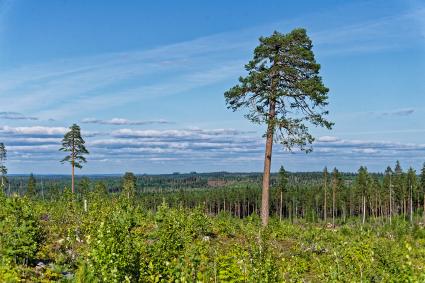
(365,150)
(15,116)
(38,131)
(200,146)
(34,130)
(327,139)
(122,121)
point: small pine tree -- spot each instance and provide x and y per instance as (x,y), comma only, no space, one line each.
(73,143)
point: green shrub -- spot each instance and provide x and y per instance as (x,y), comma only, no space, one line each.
(19,230)
(112,255)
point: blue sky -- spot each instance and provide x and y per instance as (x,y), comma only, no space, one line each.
(145,80)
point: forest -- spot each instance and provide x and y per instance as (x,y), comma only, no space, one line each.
(205,227)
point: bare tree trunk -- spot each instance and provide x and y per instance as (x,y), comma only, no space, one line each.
(333,206)
(72,182)
(391,211)
(364,209)
(411,204)
(325,212)
(267,166)
(404,208)
(424,209)
(281,205)
(73,165)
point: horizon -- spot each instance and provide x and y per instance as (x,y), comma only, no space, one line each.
(146,84)
(187,173)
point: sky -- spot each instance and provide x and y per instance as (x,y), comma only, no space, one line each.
(145,81)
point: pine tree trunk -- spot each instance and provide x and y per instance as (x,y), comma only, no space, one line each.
(404,208)
(424,210)
(72,181)
(411,204)
(391,211)
(333,207)
(325,206)
(267,166)
(281,205)
(73,165)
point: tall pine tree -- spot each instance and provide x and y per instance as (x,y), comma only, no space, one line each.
(73,143)
(283,89)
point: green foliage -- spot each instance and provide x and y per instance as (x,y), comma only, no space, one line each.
(112,256)
(19,230)
(129,184)
(84,186)
(121,241)
(283,78)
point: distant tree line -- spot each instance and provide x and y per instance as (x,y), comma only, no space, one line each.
(330,197)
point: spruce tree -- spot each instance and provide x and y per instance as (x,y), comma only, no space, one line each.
(32,184)
(362,183)
(411,186)
(283,89)
(282,186)
(388,184)
(73,143)
(336,184)
(400,188)
(325,194)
